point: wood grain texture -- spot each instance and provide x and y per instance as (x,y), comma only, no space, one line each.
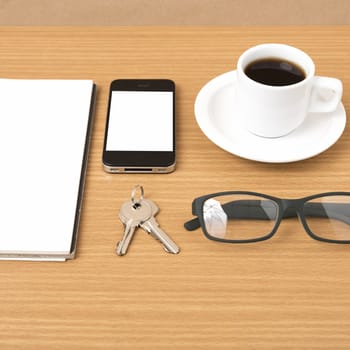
(287,293)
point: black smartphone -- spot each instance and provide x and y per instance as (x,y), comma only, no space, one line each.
(140,127)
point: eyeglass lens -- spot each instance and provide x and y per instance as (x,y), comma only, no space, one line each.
(239,216)
(329,217)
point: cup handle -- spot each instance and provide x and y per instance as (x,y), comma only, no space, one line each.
(326,94)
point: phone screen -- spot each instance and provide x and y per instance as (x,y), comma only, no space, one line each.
(140,121)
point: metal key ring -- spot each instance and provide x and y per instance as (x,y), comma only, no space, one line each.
(134,202)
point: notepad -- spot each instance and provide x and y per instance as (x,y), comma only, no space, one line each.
(45,128)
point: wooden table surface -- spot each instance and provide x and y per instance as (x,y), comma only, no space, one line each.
(290,292)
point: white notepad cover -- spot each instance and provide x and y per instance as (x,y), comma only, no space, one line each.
(43,130)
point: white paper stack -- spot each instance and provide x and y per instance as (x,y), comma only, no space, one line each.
(44,137)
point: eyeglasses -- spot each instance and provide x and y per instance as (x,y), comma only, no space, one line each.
(244,217)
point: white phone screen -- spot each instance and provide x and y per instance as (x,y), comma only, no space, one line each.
(140,121)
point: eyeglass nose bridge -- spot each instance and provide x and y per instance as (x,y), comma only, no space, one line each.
(292,208)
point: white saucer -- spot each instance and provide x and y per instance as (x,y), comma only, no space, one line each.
(215,115)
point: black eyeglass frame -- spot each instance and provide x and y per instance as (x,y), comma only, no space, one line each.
(284,209)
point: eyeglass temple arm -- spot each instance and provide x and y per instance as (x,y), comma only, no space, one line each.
(258,210)
(241,209)
(252,209)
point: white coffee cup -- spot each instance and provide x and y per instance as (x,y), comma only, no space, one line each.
(275,111)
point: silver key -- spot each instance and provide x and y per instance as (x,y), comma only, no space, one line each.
(132,214)
(152,227)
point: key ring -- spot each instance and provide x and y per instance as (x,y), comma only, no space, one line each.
(136,203)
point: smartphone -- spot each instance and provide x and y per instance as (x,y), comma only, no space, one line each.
(140,127)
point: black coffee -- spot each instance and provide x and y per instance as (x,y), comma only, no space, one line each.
(275,72)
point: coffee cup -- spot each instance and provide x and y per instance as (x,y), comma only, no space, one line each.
(277,89)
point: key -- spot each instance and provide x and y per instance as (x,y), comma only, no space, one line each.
(152,227)
(132,214)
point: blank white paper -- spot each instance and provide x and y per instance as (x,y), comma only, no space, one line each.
(43,129)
